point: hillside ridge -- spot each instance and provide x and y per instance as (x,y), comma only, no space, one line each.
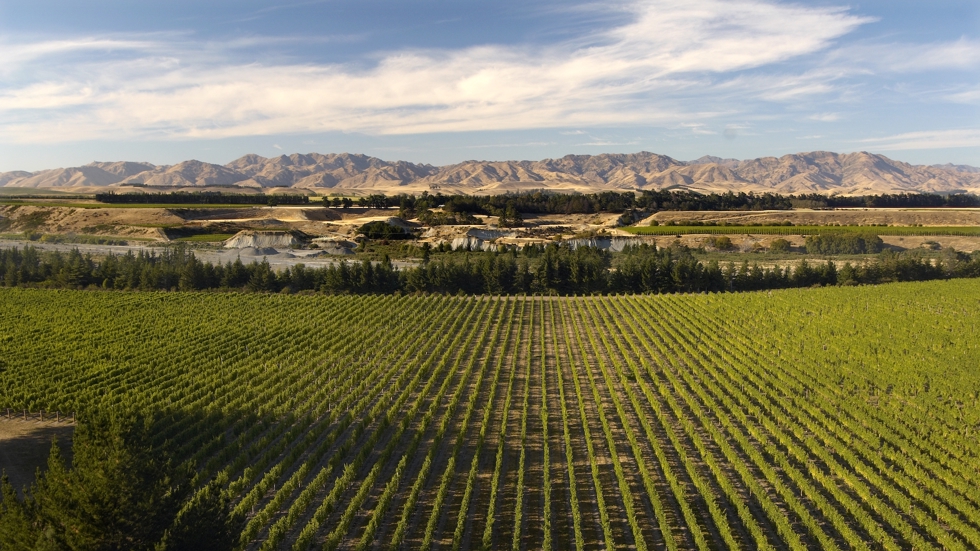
(820,172)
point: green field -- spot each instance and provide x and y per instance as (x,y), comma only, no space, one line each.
(830,418)
(805,230)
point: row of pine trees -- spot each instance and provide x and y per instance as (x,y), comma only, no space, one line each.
(555,269)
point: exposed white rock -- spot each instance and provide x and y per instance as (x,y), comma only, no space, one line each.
(261,240)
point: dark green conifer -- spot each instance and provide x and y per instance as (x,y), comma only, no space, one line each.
(121,493)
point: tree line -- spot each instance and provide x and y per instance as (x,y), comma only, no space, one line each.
(892,200)
(551,269)
(844,243)
(549,202)
(512,205)
(201,198)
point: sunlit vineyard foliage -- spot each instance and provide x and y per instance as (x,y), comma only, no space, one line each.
(834,418)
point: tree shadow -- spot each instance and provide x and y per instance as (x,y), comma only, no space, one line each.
(25,446)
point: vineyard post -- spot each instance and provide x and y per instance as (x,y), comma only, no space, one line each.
(41,413)
(25,415)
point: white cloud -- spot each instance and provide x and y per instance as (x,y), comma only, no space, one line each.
(928,139)
(650,71)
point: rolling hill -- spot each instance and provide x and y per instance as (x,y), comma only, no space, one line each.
(815,172)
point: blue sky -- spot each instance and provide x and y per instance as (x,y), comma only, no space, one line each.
(442,82)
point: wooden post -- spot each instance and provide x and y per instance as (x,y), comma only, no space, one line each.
(25,415)
(41,413)
(57,416)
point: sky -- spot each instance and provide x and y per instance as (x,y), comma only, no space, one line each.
(441,82)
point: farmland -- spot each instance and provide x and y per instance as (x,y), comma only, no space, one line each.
(682,229)
(834,418)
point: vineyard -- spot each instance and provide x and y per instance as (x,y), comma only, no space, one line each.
(828,418)
(806,230)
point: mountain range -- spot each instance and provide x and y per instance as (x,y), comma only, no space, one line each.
(815,172)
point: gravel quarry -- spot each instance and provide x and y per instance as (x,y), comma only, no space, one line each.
(280,258)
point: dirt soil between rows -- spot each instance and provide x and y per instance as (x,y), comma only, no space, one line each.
(25,445)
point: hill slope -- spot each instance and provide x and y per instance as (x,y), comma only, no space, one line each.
(815,172)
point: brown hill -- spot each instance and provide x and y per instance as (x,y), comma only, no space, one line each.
(124,169)
(815,172)
(15,175)
(64,177)
(850,174)
(344,170)
(958,168)
(188,173)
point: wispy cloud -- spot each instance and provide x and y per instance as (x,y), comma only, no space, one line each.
(652,70)
(962,53)
(495,145)
(20,55)
(282,6)
(606,143)
(697,128)
(965,96)
(928,139)
(825,117)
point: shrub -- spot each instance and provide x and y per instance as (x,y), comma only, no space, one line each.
(844,243)
(779,246)
(722,243)
(383,230)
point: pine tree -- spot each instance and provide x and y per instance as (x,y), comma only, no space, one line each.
(16,531)
(120,494)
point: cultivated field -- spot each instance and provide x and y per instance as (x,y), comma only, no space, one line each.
(805,230)
(838,216)
(833,418)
